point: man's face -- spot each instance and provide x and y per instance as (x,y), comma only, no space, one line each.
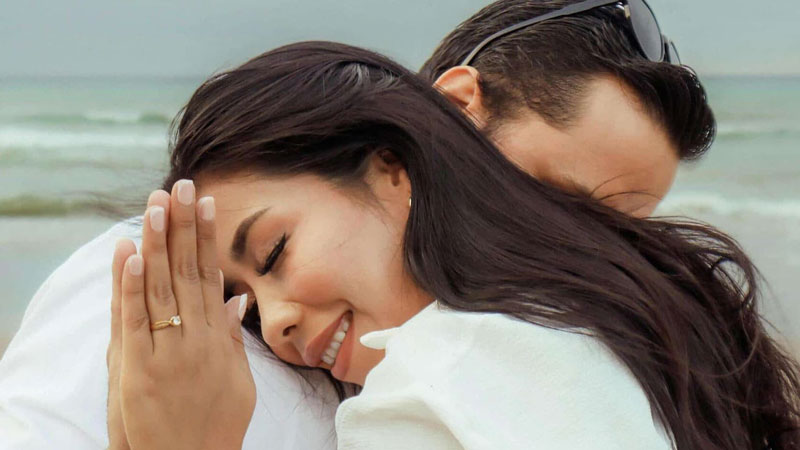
(613,150)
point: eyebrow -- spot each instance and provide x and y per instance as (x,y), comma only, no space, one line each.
(240,237)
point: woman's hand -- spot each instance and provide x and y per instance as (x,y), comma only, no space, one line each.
(184,386)
(117,440)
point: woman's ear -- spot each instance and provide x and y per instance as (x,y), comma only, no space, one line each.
(388,180)
(461,85)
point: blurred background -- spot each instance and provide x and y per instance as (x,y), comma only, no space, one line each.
(87,91)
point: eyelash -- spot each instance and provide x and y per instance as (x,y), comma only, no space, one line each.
(272,258)
(270,262)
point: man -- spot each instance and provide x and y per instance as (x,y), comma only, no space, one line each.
(582,101)
(591,115)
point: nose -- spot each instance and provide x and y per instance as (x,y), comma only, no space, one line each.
(279,318)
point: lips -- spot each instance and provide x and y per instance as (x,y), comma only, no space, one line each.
(312,355)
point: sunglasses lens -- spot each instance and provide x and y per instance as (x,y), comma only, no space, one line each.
(672,52)
(646,28)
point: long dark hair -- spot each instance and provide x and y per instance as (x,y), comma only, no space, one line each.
(676,302)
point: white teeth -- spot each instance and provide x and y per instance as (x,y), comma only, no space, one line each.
(329,356)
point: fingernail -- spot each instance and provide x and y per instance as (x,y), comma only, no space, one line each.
(185,192)
(207,209)
(156,194)
(135,265)
(242,306)
(157,218)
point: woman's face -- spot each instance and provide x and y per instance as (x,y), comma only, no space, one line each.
(324,263)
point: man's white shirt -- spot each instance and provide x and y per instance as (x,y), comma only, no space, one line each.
(54,381)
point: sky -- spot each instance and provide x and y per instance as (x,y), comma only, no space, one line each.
(194,38)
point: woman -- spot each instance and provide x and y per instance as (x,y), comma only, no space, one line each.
(354,199)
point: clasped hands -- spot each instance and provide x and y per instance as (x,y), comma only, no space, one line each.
(184,386)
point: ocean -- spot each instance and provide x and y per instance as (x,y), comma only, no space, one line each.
(63,141)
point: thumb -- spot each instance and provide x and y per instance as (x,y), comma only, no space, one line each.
(234,313)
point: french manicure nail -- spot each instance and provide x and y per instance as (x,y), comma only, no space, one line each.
(135,265)
(185,192)
(157,219)
(242,306)
(207,209)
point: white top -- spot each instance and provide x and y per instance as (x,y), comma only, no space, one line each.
(453,380)
(54,381)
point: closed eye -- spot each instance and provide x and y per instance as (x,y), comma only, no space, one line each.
(269,263)
(273,256)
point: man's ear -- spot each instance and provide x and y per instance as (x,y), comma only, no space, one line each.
(461,85)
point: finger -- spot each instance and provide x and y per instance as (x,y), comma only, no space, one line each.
(137,343)
(123,250)
(210,275)
(234,312)
(160,298)
(182,246)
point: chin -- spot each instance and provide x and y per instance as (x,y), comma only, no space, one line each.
(353,376)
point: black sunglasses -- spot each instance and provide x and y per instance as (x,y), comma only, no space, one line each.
(652,44)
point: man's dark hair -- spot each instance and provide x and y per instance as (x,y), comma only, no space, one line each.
(547,67)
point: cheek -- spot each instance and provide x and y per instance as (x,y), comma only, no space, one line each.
(289,354)
(323,264)
(534,147)
(315,283)
(354,267)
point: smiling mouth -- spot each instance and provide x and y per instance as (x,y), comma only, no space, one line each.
(324,348)
(330,353)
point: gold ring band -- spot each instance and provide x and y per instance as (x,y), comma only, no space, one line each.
(174,321)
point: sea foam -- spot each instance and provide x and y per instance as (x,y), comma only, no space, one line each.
(689,203)
(95,117)
(26,138)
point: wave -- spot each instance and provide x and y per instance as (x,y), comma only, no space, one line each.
(753,129)
(115,203)
(20,138)
(37,206)
(689,203)
(16,157)
(98,117)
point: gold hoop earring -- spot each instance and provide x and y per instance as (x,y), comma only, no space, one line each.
(409,202)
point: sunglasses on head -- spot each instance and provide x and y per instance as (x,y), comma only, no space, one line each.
(651,43)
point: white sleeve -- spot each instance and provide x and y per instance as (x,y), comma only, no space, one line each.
(412,417)
(53,376)
(54,380)
(462,380)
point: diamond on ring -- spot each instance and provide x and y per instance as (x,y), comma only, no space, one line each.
(174,321)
